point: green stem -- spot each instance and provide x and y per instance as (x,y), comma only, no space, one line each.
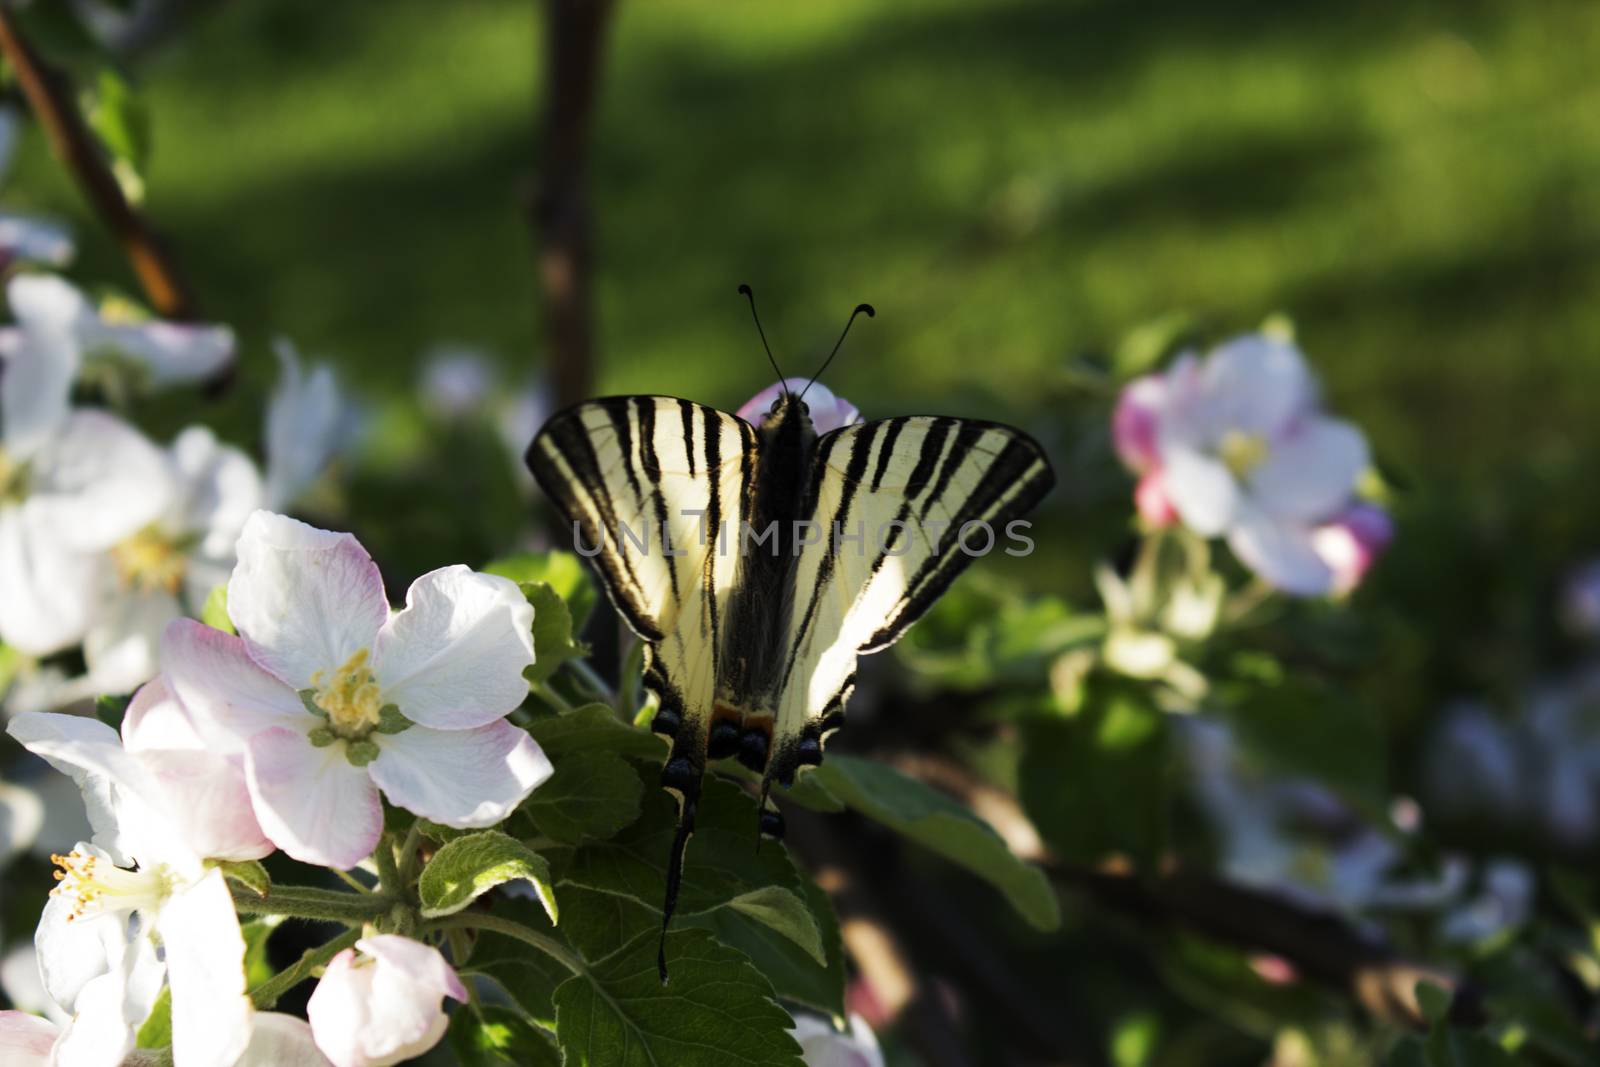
(351,880)
(408,854)
(267,993)
(478,920)
(592,679)
(305,902)
(389,882)
(548,694)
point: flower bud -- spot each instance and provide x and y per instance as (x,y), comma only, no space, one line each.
(382,1002)
(1134,423)
(1352,543)
(1151,500)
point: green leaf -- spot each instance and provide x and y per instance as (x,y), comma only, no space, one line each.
(1434,1000)
(591,795)
(938,823)
(468,867)
(493,1035)
(248,873)
(591,727)
(215,612)
(717,1010)
(528,977)
(110,709)
(783,911)
(561,571)
(257,966)
(156,1030)
(793,971)
(553,642)
(119,117)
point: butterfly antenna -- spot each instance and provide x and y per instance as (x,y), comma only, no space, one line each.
(749,294)
(674,876)
(848,322)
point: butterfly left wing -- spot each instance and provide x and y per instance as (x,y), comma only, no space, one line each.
(907,487)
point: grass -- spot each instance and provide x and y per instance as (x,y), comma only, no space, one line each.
(1013,184)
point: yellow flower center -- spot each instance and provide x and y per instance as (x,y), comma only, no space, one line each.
(13,479)
(1243,452)
(151,560)
(350,697)
(95,887)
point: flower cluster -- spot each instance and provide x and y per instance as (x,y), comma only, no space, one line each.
(1236,445)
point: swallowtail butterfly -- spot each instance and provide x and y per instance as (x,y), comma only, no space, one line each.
(770,558)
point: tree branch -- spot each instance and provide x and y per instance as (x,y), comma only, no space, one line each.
(50,97)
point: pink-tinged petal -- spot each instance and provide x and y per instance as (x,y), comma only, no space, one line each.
(1257,384)
(1310,473)
(453,659)
(211,1012)
(279,1040)
(421,965)
(50,589)
(1151,500)
(1201,489)
(227,696)
(1352,543)
(1136,420)
(98,481)
(304,600)
(1282,554)
(828,412)
(26,1040)
(154,720)
(121,645)
(311,801)
(460,778)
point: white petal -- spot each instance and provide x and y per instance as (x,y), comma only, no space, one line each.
(460,778)
(340,1009)
(1282,553)
(26,1040)
(1311,472)
(21,819)
(227,696)
(100,1034)
(20,982)
(49,589)
(99,481)
(409,983)
(307,422)
(310,801)
(304,600)
(220,489)
(154,720)
(121,646)
(113,784)
(170,352)
(279,1040)
(1257,385)
(211,1011)
(73,952)
(36,378)
(1201,489)
(453,659)
(32,239)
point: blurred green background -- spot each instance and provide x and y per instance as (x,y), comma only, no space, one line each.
(1012,184)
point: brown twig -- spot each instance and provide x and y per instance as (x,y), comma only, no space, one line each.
(574,42)
(50,96)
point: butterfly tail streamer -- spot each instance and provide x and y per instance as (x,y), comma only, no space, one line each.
(680,844)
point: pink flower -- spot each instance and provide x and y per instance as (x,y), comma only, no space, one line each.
(1135,422)
(1151,500)
(828,412)
(1352,543)
(330,696)
(382,1002)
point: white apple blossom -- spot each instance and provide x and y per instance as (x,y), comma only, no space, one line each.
(1236,445)
(24,238)
(161,804)
(828,412)
(456,381)
(1580,600)
(277,1040)
(73,484)
(382,1002)
(332,697)
(823,1046)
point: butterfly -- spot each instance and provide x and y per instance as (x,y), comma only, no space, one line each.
(757,562)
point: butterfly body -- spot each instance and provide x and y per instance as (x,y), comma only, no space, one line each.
(782,556)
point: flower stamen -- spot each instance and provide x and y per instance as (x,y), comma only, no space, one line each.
(350,697)
(94,887)
(1243,452)
(151,561)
